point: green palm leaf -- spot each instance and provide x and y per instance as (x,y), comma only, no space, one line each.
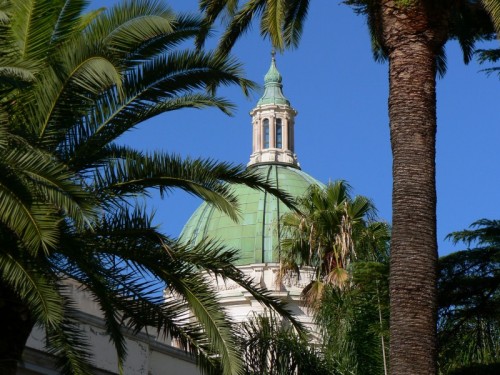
(69,346)
(272,22)
(293,24)
(329,231)
(32,25)
(69,21)
(239,24)
(73,83)
(36,290)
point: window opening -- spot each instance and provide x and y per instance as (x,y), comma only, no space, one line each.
(266,133)
(279,134)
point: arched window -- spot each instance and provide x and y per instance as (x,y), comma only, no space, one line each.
(266,133)
(279,134)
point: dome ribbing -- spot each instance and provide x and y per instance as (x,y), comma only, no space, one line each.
(256,235)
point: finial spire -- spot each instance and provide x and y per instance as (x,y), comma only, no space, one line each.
(273,93)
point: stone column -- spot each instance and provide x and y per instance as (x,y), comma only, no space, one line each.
(272,130)
(285,123)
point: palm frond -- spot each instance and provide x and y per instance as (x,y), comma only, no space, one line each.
(69,345)
(330,230)
(52,182)
(493,8)
(202,302)
(491,55)
(54,103)
(199,177)
(272,22)
(294,21)
(31,173)
(240,23)
(211,10)
(69,21)
(137,31)
(131,25)
(217,261)
(73,84)
(170,79)
(14,75)
(83,147)
(96,279)
(32,25)
(34,289)
(123,274)
(469,24)
(35,224)
(264,340)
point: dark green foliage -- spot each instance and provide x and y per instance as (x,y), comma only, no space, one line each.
(355,321)
(337,235)
(71,198)
(469,302)
(489,56)
(271,347)
(281,21)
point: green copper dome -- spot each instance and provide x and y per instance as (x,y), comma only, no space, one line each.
(273,93)
(256,235)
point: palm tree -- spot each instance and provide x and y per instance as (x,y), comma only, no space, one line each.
(469,300)
(87,78)
(411,34)
(33,189)
(326,233)
(336,235)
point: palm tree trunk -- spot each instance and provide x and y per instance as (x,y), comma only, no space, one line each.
(16,327)
(412,111)
(412,45)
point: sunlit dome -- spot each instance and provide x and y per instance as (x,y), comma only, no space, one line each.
(256,235)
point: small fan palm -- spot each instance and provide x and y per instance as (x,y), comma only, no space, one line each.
(71,196)
(330,230)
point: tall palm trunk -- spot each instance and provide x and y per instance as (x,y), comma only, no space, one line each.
(16,325)
(412,40)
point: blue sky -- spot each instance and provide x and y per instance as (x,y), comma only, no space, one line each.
(342,129)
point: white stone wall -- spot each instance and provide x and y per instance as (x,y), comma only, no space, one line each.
(147,354)
(241,305)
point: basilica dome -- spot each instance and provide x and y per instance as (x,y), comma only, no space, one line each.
(256,235)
